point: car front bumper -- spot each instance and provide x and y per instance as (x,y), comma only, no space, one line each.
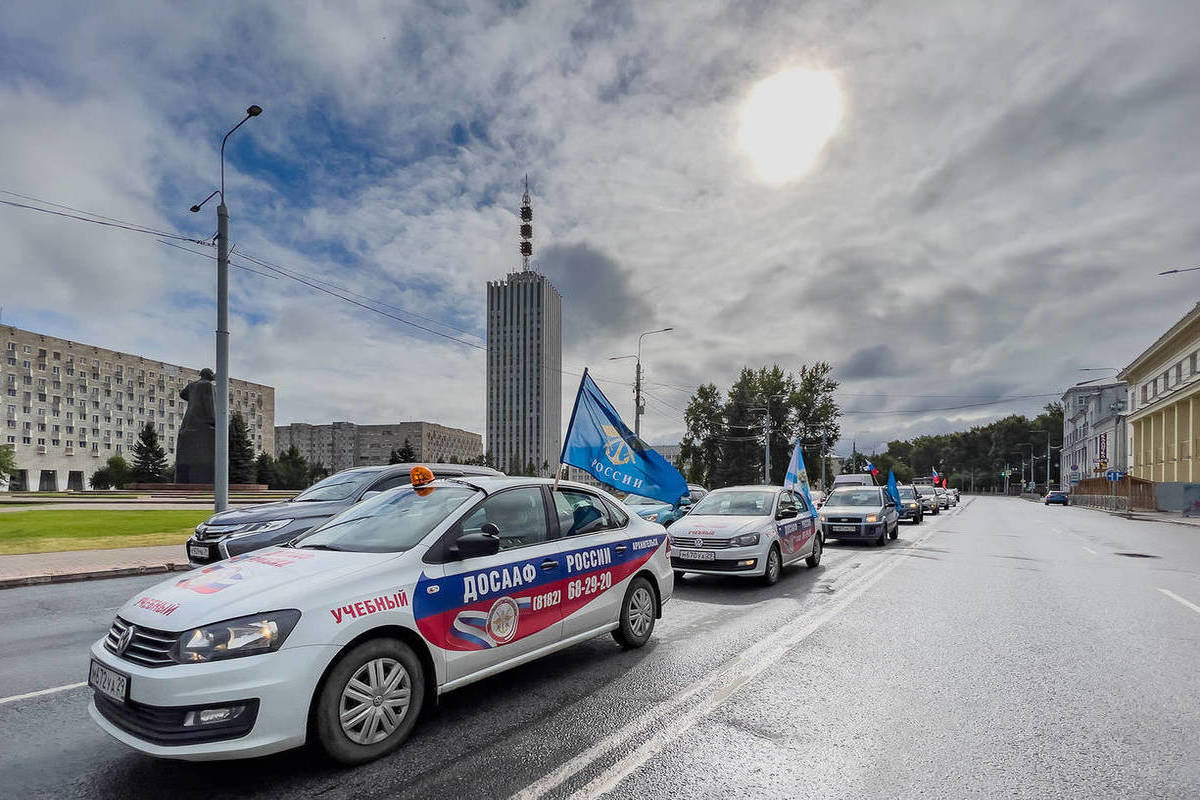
(281,683)
(862,531)
(748,561)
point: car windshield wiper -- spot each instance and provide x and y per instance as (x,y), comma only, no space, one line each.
(318,547)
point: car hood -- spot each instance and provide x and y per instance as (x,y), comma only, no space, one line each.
(281,510)
(850,511)
(265,580)
(717,527)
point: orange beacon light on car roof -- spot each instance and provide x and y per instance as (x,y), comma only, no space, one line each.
(420,475)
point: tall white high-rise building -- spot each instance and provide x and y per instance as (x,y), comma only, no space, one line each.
(524,367)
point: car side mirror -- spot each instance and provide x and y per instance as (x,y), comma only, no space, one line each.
(786,511)
(367,495)
(474,545)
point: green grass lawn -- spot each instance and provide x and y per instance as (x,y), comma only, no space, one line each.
(37,531)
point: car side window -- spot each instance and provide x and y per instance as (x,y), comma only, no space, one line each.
(580,513)
(517,513)
(696,495)
(391,483)
(801,505)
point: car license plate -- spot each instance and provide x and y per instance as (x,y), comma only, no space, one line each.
(197,551)
(697,555)
(109,681)
(844,529)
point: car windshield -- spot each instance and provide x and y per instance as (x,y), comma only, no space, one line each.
(925,491)
(388,523)
(906,493)
(638,500)
(336,487)
(854,497)
(738,503)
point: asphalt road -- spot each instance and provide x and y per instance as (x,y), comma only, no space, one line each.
(1002,650)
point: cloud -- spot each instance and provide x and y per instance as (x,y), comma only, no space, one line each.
(988,218)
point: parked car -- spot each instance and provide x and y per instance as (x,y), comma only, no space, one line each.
(342,636)
(929,499)
(247,528)
(854,479)
(748,531)
(864,513)
(910,504)
(1058,498)
(664,514)
(818,497)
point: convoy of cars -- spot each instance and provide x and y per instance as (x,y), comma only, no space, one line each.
(930,502)
(664,514)
(336,617)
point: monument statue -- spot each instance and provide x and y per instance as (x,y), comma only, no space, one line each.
(195,449)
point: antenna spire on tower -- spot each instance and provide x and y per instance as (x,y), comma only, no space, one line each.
(526,227)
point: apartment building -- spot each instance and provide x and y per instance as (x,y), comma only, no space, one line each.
(342,445)
(69,406)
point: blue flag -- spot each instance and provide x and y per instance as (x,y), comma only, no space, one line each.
(892,490)
(598,442)
(796,478)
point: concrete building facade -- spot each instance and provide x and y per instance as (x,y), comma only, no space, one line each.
(68,407)
(524,373)
(1164,405)
(342,445)
(1094,437)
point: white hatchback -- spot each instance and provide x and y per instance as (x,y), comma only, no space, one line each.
(751,531)
(344,634)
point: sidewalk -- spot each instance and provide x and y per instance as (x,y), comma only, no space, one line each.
(82,565)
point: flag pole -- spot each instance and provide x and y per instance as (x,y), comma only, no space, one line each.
(567,437)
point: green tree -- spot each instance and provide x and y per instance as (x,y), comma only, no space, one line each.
(113,475)
(241,451)
(8,461)
(742,451)
(149,458)
(291,470)
(700,449)
(264,470)
(317,472)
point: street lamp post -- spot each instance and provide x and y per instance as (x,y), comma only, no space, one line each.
(221,410)
(638,405)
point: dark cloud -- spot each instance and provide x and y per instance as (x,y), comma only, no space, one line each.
(877,361)
(599,297)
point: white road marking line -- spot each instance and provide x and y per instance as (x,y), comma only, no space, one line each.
(1090,550)
(14,698)
(1181,600)
(723,681)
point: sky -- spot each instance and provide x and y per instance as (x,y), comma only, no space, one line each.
(1002,184)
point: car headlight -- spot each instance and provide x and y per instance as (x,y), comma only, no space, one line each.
(264,527)
(912,505)
(872,518)
(823,517)
(244,636)
(745,540)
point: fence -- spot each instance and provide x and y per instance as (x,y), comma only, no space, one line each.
(1134,493)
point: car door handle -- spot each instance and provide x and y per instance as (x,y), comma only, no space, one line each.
(549,564)
(620,548)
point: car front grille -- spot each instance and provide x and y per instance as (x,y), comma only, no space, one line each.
(691,541)
(148,647)
(212,533)
(844,520)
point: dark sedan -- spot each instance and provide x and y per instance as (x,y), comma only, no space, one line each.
(1059,498)
(910,504)
(241,530)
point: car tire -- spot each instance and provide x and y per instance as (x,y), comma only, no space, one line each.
(774,567)
(895,531)
(814,558)
(371,664)
(637,614)
(883,537)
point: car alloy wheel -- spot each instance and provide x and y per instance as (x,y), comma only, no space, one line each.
(774,567)
(638,612)
(814,558)
(375,701)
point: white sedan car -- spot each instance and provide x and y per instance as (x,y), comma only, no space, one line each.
(752,531)
(345,633)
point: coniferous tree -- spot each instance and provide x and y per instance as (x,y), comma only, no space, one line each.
(292,469)
(241,451)
(264,470)
(406,454)
(149,458)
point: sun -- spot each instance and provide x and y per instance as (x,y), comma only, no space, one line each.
(787,120)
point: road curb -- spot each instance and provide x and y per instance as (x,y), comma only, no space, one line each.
(1132,516)
(91,575)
